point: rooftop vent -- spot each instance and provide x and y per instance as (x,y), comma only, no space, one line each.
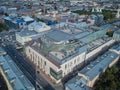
(88,68)
(75,85)
(6,70)
(112,56)
(91,64)
(12,80)
(1,63)
(82,85)
(105,55)
(22,75)
(98,61)
(27,33)
(10,60)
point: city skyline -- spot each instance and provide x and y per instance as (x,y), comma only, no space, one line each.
(59,44)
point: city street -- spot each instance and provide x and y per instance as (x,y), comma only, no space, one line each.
(59,44)
(37,80)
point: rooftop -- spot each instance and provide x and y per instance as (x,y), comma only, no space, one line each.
(17,19)
(116,23)
(58,36)
(91,71)
(62,46)
(59,46)
(38,27)
(77,83)
(73,31)
(117,32)
(109,26)
(98,42)
(27,18)
(20,21)
(93,36)
(34,29)
(116,47)
(15,76)
(26,32)
(98,66)
(2,51)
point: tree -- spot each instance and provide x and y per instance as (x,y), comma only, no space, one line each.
(3,27)
(109,80)
(110,33)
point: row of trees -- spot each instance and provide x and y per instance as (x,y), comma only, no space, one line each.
(110,80)
(107,13)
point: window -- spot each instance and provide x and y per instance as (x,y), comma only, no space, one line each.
(29,50)
(38,63)
(78,59)
(74,61)
(45,63)
(83,57)
(65,66)
(41,60)
(56,75)
(35,57)
(38,58)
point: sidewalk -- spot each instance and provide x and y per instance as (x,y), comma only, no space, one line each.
(50,81)
(46,77)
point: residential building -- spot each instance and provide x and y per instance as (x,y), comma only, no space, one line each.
(14,77)
(18,22)
(88,76)
(33,31)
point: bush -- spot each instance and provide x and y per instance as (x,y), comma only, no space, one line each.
(3,27)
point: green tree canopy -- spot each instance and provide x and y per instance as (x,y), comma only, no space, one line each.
(110,80)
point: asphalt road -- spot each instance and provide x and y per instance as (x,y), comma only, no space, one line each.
(37,80)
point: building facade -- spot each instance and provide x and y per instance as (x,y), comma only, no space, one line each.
(87,77)
(58,56)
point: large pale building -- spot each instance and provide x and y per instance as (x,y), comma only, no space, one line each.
(61,51)
(56,55)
